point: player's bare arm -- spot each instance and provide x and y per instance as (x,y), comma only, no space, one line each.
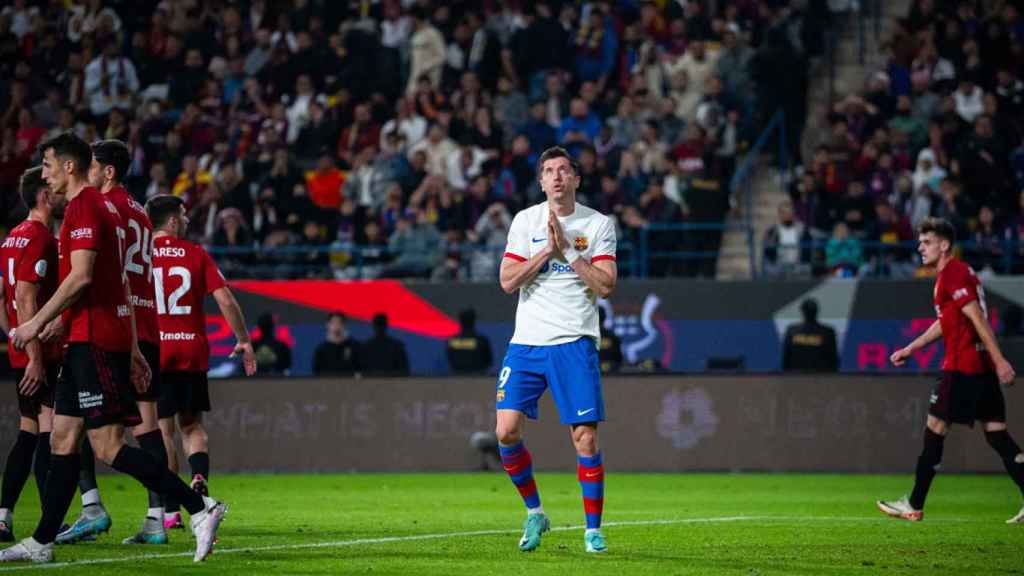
(3,317)
(514,274)
(141,374)
(53,331)
(83,262)
(600,277)
(236,320)
(933,333)
(1003,368)
(25,294)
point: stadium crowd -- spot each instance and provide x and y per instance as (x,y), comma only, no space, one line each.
(936,132)
(396,138)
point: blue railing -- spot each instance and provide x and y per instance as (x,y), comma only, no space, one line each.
(741,186)
(1006,257)
(639,256)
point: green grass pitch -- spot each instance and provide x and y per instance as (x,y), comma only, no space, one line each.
(660,524)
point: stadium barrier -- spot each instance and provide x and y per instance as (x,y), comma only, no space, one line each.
(861,424)
(664,325)
(889,259)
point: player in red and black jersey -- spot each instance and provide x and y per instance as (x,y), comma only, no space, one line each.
(184,274)
(29,259)
(102,360)
(111,161)
(972,370)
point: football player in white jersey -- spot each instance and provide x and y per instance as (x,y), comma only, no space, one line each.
(560,256)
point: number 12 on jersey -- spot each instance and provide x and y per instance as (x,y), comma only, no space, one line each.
(169,304)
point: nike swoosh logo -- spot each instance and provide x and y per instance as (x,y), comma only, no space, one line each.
(538,239)
(582,412)
(592,474)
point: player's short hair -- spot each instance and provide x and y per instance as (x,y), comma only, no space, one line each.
(162,208)
(28,187)
(557,152)
(113,153)
(338,315)
(68,146)
(938,226)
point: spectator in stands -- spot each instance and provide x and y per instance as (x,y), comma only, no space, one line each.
(856,209)
(810,346)
(654,208)
(315,136)
(362,133)
(427,51)
(324,184)
(928,172)
(406,122)
(339,353)
(269,91)
(786,245)
(985,248)
(511,108)
(314,262)
(580,128)
(272,355)
(110,81)
(733,63)
(982,162)
(230,241)
(596,44)
(383,355)
(416,246)
(437,147)
(808,206)
(843,255)
(469,352)
(892,238)
(488,241)
(465,163)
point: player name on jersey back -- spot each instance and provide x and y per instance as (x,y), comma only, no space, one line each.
(183,274)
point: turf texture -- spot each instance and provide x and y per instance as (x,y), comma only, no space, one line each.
(415,524)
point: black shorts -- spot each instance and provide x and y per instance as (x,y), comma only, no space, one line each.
(187,392)
(30,406)
(95,385)
(960,398)
(156,391)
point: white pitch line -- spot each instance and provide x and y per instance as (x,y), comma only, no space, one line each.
(416,537)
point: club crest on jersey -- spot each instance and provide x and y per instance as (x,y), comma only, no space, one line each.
(580,243)
(501,395)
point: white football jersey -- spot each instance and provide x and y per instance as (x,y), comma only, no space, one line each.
(556,306)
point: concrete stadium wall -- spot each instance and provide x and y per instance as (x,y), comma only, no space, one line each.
(658,424)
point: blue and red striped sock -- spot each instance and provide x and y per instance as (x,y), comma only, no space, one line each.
(517,462)
(590,471)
